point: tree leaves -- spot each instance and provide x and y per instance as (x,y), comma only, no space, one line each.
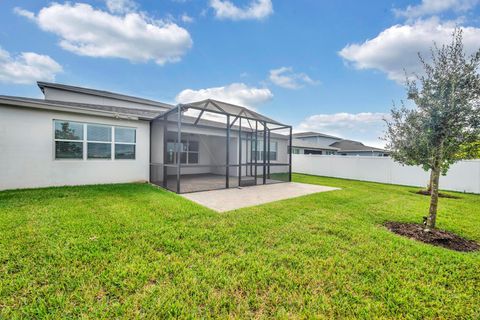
(444,126)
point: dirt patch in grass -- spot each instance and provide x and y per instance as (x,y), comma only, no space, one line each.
(435,237)
(441,195)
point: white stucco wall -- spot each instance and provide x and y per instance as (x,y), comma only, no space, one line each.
(27,152)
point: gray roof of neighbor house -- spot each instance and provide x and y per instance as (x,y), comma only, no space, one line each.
(313,134)
(298,143)
(102,93)
(352,146)
(80,107)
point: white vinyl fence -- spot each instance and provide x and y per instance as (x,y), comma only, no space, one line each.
(463,176)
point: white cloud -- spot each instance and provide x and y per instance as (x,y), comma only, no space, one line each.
(91,32)
(365,126)
(396,48)
(285,77)
(186,18)
(121,6)
(27,67)
(256,10)
(235,93)
(24,13)
(433,7)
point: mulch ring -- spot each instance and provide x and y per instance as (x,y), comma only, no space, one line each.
(434,237)
(440,195)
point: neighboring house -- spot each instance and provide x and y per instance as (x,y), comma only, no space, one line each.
(78,136)
(319,143)
(307,147)
(355,148)
(316,137)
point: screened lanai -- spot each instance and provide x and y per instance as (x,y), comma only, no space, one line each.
(210,145)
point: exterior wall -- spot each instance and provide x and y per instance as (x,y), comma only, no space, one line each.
(27,152)
(212,151)
(64,95)
(463,176)
(282,151)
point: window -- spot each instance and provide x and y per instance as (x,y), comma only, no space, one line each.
(99,139)
(296,151)
(170,152)
(68,140)
(193,149)
(273,150)
(75,140)
(125,139)
(189,151)
(310,151)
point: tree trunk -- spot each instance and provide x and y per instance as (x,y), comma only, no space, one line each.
(432,215)
(429,187)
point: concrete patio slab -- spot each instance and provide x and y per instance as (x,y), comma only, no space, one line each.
(236,198)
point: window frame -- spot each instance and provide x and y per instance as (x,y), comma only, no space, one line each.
(184,143)
(55,140)
(295,150)
(114,143)
(85,141)
(259,153)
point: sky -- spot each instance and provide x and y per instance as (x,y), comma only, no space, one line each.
(334,67)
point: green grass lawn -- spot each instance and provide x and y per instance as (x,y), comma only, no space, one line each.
(133,250)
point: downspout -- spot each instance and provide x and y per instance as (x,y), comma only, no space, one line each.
(179,140)
(150,153)
(290,157)
(227,171)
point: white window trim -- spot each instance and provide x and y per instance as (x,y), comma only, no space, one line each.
(260,150)
(54,148)
(112,138)
(114,142)
(187,140)
(85,141)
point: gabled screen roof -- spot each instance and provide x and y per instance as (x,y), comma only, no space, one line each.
(230,109)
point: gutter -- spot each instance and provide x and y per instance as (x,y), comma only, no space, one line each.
(71,109)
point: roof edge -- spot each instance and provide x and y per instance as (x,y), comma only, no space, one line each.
(46,105)
(102,93)
(300,135)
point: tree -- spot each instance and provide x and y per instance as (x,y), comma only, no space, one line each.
(444,125)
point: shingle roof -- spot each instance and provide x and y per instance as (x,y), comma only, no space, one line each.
(350,145)
(110,110)
(103,93)
(79,107)
(299,143)
(312,134)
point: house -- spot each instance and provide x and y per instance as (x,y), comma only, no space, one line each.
(319,143)
(78,136)
(301,146)
(355,148)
